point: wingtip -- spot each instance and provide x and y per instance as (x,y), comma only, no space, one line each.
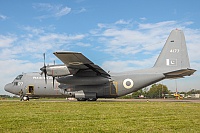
(66,52)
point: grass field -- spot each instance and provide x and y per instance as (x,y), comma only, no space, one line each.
(37,117)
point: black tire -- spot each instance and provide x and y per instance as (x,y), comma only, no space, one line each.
(25,98)
(81,99)
(92,99)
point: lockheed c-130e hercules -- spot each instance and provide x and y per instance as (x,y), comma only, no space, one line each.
(80,78)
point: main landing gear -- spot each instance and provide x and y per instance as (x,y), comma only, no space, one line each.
(86,99)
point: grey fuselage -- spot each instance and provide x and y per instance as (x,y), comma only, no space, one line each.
(118,85)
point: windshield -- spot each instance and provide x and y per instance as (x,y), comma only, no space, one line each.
(19,77)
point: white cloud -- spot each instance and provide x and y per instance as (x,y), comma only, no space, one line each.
(18,66)
(100,25)
(33,30)
(128,65)
(60,38)
(51,10)
(192,37)
(83,44)
(3,17)
(35,41)
(143,18)
(80,10)
(128,40)
(7,41)
(117,66)
(158,25)
(63,11)
(121,21)
(136,48)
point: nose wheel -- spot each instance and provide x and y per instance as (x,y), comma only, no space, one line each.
(25,98)
(92,99)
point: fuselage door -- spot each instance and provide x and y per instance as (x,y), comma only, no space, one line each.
(30,90)
(113,88)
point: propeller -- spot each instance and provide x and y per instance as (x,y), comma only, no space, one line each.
(54,62)
(44,70)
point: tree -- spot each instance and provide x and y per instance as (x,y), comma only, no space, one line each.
(193,91)
(157,91)
(139,93)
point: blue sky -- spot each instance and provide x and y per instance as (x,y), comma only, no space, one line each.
(116,35)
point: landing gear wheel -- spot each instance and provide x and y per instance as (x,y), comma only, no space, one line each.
(92,99)
(25,98)
(81,99)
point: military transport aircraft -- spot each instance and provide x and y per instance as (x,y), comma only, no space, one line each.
(80,78)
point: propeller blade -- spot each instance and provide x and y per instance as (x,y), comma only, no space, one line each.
(45,75)
(53,81)
(41,73)
(44,69)
(44,58)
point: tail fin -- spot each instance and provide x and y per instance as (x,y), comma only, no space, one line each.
(173,59)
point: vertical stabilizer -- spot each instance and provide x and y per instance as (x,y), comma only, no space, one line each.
(174,55)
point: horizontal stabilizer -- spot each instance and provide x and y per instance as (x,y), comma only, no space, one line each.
(179,73)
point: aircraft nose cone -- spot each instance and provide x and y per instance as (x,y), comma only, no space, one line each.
(8,88)
(42,69)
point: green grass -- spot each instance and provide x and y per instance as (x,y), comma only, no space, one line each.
(35,117)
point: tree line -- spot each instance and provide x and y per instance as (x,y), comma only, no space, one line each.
(157,91)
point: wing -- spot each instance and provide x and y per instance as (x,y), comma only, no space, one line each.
(82,64)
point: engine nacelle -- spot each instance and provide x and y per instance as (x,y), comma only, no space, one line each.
(57,70)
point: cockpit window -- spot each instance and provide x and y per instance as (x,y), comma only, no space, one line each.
(19,77)
(16,83)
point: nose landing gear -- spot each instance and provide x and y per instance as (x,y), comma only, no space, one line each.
(25,98)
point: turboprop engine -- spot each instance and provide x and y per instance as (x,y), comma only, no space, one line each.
(57,70)
(54,70)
